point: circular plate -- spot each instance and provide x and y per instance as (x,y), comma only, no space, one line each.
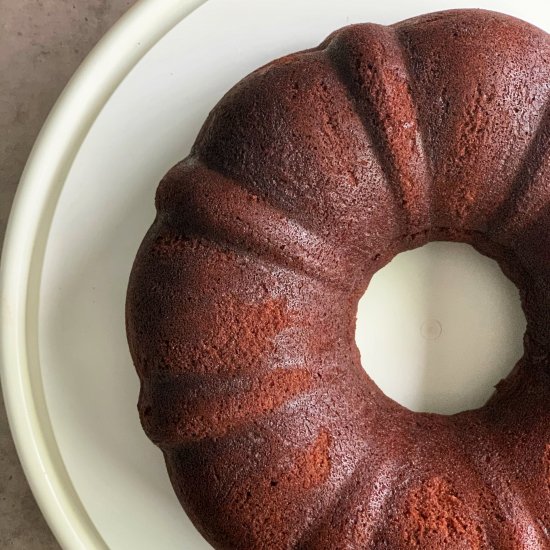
(83,206)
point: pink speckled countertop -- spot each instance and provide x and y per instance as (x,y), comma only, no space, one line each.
(41,44)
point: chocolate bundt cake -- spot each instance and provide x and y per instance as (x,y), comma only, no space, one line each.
(308,176)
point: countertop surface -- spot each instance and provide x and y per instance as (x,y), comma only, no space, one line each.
(42,42)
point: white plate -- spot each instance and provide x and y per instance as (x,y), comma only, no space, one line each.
(84,203)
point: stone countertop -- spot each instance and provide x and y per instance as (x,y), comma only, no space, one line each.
(42,42)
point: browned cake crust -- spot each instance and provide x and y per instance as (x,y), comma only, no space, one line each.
(309,175)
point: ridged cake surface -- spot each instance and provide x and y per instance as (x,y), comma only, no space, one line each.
(309,175)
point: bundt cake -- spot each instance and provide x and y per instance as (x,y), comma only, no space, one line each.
(308,176)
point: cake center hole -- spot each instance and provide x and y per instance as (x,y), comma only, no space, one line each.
(439,327)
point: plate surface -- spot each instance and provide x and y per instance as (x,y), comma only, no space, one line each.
(70,386)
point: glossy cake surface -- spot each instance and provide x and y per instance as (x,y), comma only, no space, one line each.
(311,174)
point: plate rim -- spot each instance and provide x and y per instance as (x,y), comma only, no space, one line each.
(40,185)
